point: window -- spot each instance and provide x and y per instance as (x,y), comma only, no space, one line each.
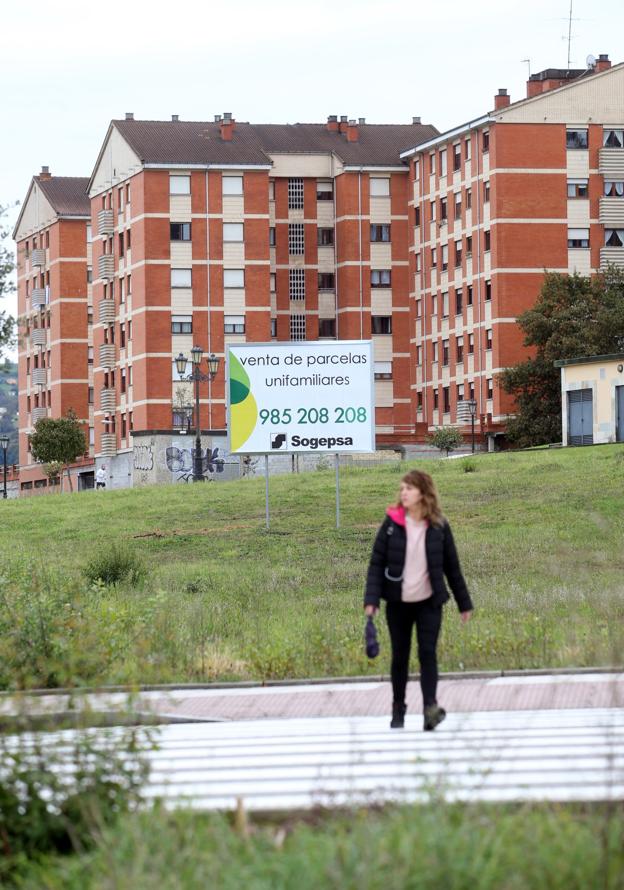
(458,206)
(467,148)
(416,216)
(120,198)
(458,254)
(434,257)
(419,355)
(444,257)
(89,237)
(296,242)
(234,278)
(122,336)
(295,194)
(121,244)
(233,324)
(436,400)
(613,138)
(128,193)
(613,189)
(380,277)
(418,308)
(469,295)
(446,399)
(471,345)
(179,185)
(488,338)
(326,281)
(471,390)
(460,392)
(383,370)
(272,236)
(381,324)
(469,245)
(485,141)
(488,291)
(576,139)
(418,262)
(487,240)
(325,237)
(232,232)
(445,352)
(578,238)
(273,328)
(324,190)
(434,351)
(380,232)
(129,285)
(327,327)
(577,188)
(271,190)
(490,388)
(459,349)
(296,284)
(443,209)
(89,274)
(486,192)
(456,156)
(181,324)
(232,185)
(614,237)
(90,355)
(90,315)
(90,395)
(459,301)
(443,169)
(379,187)
(181,278)
(445,305)
(272,282)
(297,327)
(180,231)
(468,199)
(432,166)
(419,400)
(181,418)
(123,380)
(434,304)
(432,211)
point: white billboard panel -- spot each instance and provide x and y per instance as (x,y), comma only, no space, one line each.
(301,397)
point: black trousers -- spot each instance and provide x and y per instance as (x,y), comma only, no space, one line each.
(401,618)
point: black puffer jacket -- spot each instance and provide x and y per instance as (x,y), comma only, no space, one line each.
(385,572)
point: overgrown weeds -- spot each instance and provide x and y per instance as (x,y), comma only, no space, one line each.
(115,564)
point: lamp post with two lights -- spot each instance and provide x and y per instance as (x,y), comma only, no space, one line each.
(196,377)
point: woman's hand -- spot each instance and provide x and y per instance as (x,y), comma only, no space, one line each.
(465,617)
(371,610)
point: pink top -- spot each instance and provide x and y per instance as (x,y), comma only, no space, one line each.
(416,584)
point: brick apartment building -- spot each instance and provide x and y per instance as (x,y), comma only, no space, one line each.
(215,232)
(533,185)
(53,272)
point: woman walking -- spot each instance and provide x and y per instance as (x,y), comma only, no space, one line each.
(413,551)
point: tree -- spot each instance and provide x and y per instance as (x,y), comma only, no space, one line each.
(59,440)
(7,287)
(574,316)
(446,438)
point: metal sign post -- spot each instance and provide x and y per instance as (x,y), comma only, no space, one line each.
(337,461)
(266,489)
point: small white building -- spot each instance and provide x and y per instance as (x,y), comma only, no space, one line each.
(592,399)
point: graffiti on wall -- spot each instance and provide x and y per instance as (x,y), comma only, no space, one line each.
(143,457)
(180,462)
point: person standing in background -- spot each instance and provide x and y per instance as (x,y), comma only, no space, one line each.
(100,477)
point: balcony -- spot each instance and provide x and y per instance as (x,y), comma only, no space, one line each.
(612,212)
(38,414)
(613,256)
(611,163)
(39,377)
(38,337)
(38,257)
(106,266)
(108,445)
(108,399)
(38,298)
(106,225)
(107,355)
(106,311)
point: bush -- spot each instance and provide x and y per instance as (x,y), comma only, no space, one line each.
(469,465)
(118,563)
(57,799)
(446,438)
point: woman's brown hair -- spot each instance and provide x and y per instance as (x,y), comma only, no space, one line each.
(431,508)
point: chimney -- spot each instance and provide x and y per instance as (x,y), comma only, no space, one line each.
(602,63)
(344,123)
(45,173)
(332,123)
(217,118)
(175,117)
(227,126)
(501,100)
(361,121)
(352,131)
(416,120)
(129,115)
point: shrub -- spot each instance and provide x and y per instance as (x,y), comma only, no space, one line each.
(469,465)
(118,563)
(446,438)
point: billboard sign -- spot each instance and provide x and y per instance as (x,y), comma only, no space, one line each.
(301,397)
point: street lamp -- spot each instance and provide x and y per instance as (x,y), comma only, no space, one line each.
(4,444)
(468,409)
(197,377)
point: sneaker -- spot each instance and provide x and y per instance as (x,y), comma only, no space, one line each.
(434,715)
(398,715)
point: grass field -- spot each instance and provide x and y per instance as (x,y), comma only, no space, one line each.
(545,847)
(539,533)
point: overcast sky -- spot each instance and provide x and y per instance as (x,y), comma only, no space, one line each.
(69,67)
